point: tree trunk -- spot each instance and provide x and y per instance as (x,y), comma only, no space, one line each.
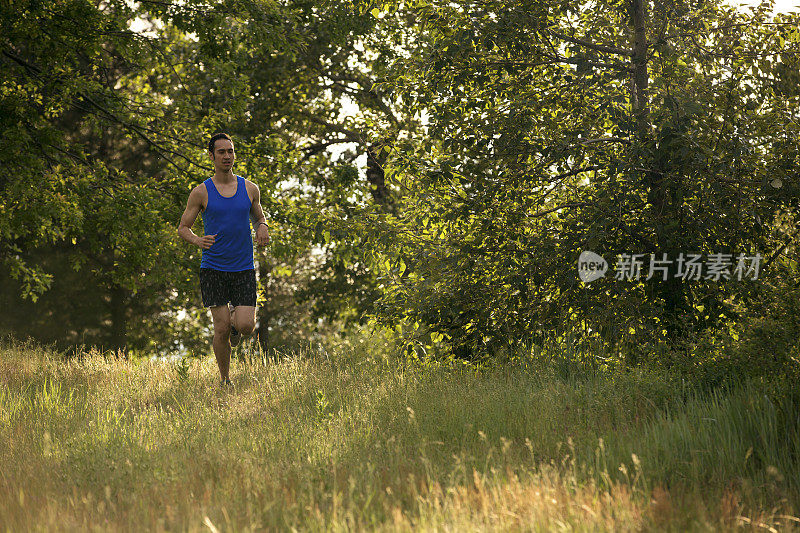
(376,161)
(641,103)
(658,181)
(119,318)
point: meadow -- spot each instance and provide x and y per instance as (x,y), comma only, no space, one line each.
(351,438)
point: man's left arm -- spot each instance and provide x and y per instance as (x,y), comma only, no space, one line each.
(257,215)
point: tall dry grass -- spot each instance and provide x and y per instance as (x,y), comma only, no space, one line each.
(352,439)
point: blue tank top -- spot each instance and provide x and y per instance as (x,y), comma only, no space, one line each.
(229,219)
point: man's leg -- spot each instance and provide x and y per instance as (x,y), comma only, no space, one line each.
(244,319)
(243,300)
(222,331)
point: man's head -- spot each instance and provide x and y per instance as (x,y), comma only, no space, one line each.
(220,149)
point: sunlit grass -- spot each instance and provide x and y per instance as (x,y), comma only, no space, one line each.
(353,439)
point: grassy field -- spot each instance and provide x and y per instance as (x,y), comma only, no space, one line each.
(354,439)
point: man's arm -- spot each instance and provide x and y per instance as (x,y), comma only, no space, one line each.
(193,207)
(257,215)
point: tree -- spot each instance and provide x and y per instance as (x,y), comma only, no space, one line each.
(620,127)
(89,158)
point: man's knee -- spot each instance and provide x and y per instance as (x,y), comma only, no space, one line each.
(244,320)
(222,329)
(222,325)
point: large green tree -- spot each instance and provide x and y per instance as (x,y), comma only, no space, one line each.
(617,127)
(90,158)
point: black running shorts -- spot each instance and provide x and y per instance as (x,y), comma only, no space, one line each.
(221,288)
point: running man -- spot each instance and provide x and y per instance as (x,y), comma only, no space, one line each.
(227,272)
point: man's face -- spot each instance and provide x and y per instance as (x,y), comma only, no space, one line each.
(223,155)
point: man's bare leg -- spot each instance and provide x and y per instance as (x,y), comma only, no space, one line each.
(222,332)
(243,319)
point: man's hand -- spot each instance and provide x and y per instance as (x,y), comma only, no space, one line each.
(206,241)
(262,235)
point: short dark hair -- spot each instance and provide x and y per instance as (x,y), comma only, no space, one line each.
(215,138)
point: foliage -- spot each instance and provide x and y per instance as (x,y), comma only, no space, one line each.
(90,156)
(437,166)
(297,85)
(60,98)
(551,134)
(763,339)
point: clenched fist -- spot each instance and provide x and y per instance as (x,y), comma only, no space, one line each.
(262,235)
(206,241)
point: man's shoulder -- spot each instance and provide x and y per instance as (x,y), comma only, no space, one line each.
(248,183)
(200,188)
(251,187)
(199,192)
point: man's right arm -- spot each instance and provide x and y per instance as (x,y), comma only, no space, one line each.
(193,207)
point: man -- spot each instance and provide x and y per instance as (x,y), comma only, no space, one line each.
(227,273)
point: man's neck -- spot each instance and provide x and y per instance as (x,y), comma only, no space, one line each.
(223,176)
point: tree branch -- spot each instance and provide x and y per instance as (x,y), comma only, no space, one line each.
(108,115)
(579,61)
(350,135)
(562,206)
(605,139)
(592,46)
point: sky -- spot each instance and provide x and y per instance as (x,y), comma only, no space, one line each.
(781,6)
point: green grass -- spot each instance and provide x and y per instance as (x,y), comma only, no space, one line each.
(356,440)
